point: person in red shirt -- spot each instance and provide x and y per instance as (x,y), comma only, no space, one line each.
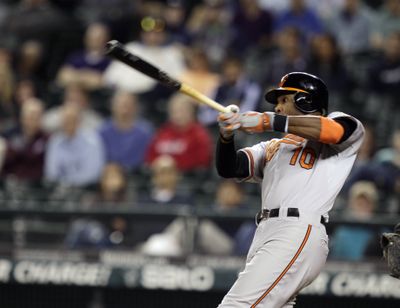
(182,137)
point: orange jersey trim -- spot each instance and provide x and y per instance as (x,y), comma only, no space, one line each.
(331,131)
(303,243)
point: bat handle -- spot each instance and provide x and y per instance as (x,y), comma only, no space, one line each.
(188,90)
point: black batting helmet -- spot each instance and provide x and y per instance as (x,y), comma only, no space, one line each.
(311,92)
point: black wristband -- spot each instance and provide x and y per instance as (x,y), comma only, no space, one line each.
(280,123)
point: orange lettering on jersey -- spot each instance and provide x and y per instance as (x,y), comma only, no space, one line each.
(294,138)
(271,149)
(295,155)
(274,144)
(307,158)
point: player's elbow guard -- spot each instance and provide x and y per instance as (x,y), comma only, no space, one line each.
(331,131)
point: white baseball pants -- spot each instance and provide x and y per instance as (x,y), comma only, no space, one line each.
(286,255)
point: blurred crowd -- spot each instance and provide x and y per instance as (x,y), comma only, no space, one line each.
(77,126)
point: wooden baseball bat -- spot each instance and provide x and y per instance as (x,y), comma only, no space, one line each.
(116,50)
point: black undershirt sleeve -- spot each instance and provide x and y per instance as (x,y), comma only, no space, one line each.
(229,163)
(349,127)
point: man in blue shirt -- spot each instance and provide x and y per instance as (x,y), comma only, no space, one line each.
(125,136)
(301,17)
(74,157)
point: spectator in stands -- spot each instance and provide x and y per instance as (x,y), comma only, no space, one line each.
(326,61)
(182,137)
(252,27)
(383,170)
(384,76)
(383,82)
(24,90)
(363,160)
(324,8)
(274,6)
(126,136)
(165,180)
(229,198)
(355,242)
(288,57)
(367,149)
(351,26)
(224,233)
(385,175)
(198,72)
(113,184)
(4,11)
(299,16)
(85,67)
(26,145)
(34,19)
(164,191)
(386,21)
(209,28)
(30,64)
(391,153)
(390,157)
(73,95)
(235,88)
(112,193)
(153,48)
(3,150)
(91,233)
(112,189)
(175,15)
(75,157)
(7,88)
(119,15)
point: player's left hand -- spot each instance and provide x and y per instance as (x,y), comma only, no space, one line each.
(255,122)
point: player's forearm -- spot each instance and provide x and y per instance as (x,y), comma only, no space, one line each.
(316,128)
(308,127)
(229,163)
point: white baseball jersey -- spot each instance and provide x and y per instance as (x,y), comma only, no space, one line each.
(296,172)
(288,253)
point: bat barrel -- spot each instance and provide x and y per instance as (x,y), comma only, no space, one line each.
(116,50)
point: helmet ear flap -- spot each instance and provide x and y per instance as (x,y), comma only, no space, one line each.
(303,102)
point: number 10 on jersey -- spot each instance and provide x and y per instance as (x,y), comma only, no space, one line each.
(307,157)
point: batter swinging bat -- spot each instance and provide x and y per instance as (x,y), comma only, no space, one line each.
(116,50)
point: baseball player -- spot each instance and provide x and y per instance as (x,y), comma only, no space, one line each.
(300,176)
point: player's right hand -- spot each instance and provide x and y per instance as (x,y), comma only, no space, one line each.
(256,122)
(229,121)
